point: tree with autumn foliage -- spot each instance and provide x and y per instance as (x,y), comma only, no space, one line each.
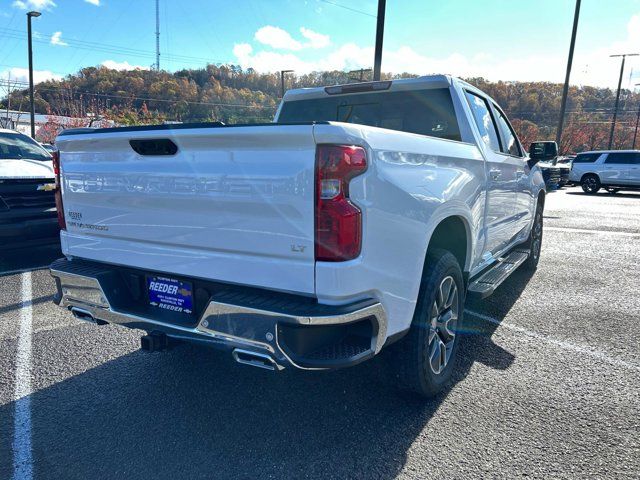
(231,94)
(48,132)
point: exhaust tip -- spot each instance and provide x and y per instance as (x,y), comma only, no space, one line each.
(82,314)
(86,316)
(260,360)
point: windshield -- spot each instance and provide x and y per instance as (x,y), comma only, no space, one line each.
(16,146)
(426,112)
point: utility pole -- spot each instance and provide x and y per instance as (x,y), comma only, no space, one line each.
(635,134)
(31,100)
(565,89)
(8,122)
(158,35)
(377,60)
(282,74)
(615,110)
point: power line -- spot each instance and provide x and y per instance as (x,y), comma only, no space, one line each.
(348,8)
(109,48)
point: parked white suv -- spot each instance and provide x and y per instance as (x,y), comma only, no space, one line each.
(612,170)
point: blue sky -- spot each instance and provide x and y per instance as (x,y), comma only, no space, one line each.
(497,39)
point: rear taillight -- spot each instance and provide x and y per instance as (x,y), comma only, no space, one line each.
(58,192)
(338,221)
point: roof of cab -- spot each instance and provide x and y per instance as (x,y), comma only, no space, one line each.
(428,81)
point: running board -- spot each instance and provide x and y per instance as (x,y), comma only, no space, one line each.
(486,284)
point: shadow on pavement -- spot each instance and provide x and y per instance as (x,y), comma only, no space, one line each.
(497,306)
(31,257)
(191,412)
(34,301)
(610,195)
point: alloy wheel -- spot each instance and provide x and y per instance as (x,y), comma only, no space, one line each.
(444,319)
(590,184)
(536,234)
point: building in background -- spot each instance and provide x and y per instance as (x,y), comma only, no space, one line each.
(47,126)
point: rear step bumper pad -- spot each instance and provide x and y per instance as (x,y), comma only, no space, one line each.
(232,325)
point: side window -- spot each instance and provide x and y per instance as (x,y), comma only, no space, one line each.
(484,120)
(509,139)
(586,158)
(620,158)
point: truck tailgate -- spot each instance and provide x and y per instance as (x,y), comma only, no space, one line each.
(234,204)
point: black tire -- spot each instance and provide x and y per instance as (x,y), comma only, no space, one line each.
(414,368)
(590,183)
(534,242)
(612,190)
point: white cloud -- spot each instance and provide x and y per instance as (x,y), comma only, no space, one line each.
(113,65)
(22,75)
(276,37)
(34,4)
(266,61)
(590,68)
(93,2)
(316,40)
(57,40)
(279,39)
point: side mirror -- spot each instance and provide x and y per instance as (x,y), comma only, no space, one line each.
(540,151)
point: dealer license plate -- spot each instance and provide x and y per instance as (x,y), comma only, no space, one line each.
(170,294)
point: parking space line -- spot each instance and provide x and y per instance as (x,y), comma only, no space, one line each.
(582,349)
(584,230)
(22,452)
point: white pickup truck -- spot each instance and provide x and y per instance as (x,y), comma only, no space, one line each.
(27,203)
(361,217)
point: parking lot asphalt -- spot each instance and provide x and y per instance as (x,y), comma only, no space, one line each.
(549,384)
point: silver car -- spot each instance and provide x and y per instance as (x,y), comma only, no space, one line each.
(613,170)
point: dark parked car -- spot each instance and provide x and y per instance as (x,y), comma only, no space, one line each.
(564,164)
(555,176)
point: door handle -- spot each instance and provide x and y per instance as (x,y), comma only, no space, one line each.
(495,174)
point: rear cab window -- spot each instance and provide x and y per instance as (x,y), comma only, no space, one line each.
(427,112)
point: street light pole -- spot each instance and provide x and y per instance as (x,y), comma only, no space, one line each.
(282,73)
(565,90)
(615,110)
(377,59)
(33,108)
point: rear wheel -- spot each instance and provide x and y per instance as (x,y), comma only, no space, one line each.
(425,359)
(590,183)
(535,240)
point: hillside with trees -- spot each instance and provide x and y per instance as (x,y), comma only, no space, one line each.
(229,94)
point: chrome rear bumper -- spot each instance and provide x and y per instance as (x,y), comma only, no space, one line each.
(354,332)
